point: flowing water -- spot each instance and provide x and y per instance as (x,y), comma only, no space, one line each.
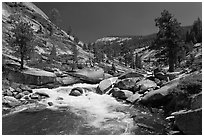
(88,114)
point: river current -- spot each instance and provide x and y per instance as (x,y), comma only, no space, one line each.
(88,114)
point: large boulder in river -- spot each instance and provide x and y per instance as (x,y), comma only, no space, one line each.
(189,122)
(121,94)
(78,91)
(106,85)
(128,83)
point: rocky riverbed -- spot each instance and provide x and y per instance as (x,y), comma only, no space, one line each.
(140,104)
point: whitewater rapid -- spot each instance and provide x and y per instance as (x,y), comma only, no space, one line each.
(99,111)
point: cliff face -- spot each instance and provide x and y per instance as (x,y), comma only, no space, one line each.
(44,43)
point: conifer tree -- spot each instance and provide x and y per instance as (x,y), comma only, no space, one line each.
(22,38)
(168,38)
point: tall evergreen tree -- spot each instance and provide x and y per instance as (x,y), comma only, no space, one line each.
(22,38)
(168,38)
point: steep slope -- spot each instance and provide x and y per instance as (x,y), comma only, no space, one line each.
(44,43)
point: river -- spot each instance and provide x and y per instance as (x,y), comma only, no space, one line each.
(89,114)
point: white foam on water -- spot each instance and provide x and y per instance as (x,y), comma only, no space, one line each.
(102,111)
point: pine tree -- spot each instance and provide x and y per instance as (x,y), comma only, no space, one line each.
(22,38)
(167,38)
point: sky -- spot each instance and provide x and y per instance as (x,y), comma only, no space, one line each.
(93,20)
